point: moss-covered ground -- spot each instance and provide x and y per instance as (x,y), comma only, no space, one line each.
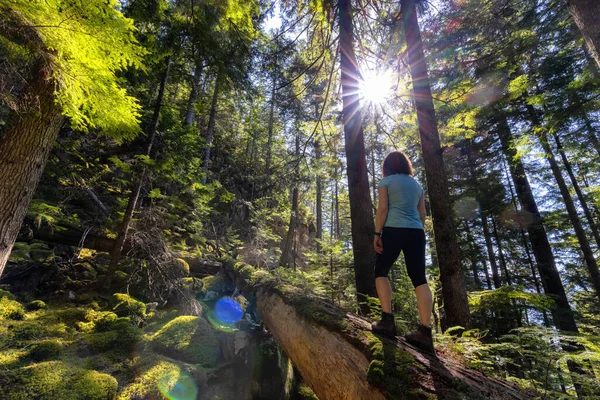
(65,350)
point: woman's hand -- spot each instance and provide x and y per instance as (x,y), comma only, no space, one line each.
(378,244)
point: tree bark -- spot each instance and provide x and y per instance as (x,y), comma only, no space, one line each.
(190,112)
(361,211)
(490,249)
(115,253)
(339,357)
(584,244)
(591,133)
(580,196)
(210,131)
(319,195)
(551,281)
(586,14)
(473,257)
(270,129)
(286,254)
(453,285)
(501,254)
(24,149)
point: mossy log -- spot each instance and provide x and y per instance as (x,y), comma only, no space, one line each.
(340,358)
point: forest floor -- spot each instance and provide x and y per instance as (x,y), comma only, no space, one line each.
(65,345)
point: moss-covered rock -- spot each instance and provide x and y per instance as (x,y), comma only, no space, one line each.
(122,337)
(216,286)
(7,294)
(36,305)
(190,339)
(11,309)
(161,377)
(94,385)
(46,350)
(53,380)
(182,266)
(126,306)
(84,270)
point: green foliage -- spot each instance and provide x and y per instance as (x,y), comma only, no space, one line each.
(188,338)
(86,43)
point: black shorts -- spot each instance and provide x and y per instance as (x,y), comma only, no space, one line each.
(411,242)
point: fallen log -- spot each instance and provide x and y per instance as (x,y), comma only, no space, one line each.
(340,358)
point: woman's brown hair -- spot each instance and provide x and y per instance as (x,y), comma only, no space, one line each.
(397,163)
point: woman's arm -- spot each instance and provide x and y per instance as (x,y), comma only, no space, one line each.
(421,208)
(382,209)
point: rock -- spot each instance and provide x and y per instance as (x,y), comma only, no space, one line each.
(36,305)
(46,350)
(190,339)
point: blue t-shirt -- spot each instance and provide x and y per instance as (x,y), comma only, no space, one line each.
(404,193)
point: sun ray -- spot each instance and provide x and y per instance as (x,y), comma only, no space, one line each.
(375,86)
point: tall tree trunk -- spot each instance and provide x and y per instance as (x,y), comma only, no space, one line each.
(115,254)
(580,196)
(563,316)
(473,257)
(501,254)
(361,211)
(288,245)
(319,195)
(591,133)
(453,284)
(270,129)
(338,228)
(211,125)
(24,149)
(523,236)
(191,104)
(586,14)
(584,244)
(490,249)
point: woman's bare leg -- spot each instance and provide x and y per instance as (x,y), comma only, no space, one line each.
(384,292)
(424,302)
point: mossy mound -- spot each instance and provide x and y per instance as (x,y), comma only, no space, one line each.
(36,305)
(127,306)
(160,377)
(216,286)
(52,380)
(11,309)
(122,337)
(7,294)
(190,339)
(46,350)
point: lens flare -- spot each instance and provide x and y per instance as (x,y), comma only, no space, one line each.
(467,208)
(182,387)
(227,312)
(376,87)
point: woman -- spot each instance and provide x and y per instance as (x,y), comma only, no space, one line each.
(399,228)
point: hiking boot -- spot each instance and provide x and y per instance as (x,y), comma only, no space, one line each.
(385,326)
(421,338)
